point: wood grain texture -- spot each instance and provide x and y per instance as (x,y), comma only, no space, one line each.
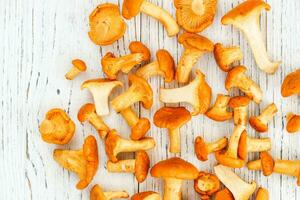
(39,38)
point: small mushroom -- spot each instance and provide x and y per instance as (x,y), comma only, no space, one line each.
(88,113)
(293,123)
(84,162)
(206,184)
(78,67)
(202,149)
(146,196)
(225,56)
(57,127)
(236,78)
(238,187)
(163,65)
(197,93)
(115,144)
(100,90)
(139,166)
(195,15)
(219,110)
(139,126)
(240,109)
(98,194)
(112,65)
(174,171)
(194,47)
(260,123)
(224,194)
(131,8)
(106,24)
(291,84)
(262,194)
(246,18)
(139,90)
(172,119)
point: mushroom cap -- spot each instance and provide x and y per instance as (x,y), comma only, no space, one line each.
(224,194)
(293,124)
(200,149)
(249,8)
(190,20)
(233,74)
(267,163)
(106,24)
(242,148)
(258,125)
(85,111)
(111,142)
(97,193)
(195,41)
(91,82)
(131,8)
(149,195)
(228,161)
(142,164)
(204,95)
(206,184)
(219,111)
(138,47)
(79,64)
(174,168)
(166,64)
(140,129)
(239,101)
(291,84)
(171,118)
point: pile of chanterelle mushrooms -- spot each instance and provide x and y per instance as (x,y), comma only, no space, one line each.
(107,26)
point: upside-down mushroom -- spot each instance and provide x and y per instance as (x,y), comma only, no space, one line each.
(106,24)
(172,119)
(139,166)
(230,157)
(206,184)
(195,15)
(88,113)
(100,90)
(219,111)
(149,195)
(224,194)
(293,123)
(131,8)
(139,90)
(239,104)
(98,194)
(78,66)
(202,149)
(115,144)
(236,78)
(163,65)
(225,56)
(174,171)
(194,47)
(291,84)
(84,162)
(111,65)
(197,93)
(262,194)
(238,187)
(246,18)
(260,123)
(57,127)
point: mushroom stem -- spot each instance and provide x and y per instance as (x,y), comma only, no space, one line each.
(129,61)
(240,116)
(99,125)
(130,116)
(217,145)
(234,141)
(172,189)
(115,194)
(258,144)
(171,95)
(149,70)
(175,145)
(118,103)
(133,146)
(122,166)
(161,15)
(198,7)
(72,73)
(268,113)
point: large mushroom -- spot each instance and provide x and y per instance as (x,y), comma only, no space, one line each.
(293,123)
(172,119)
(174,171)
(98,194)
(219,112)
(246,18)
(291,84)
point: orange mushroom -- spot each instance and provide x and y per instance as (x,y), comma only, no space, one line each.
(84,162)
(224,194)
(219,111)
(206,184)
(98,194)
(293,123)
(149,195)
(57,127)
(262,194)
(240,109)
(78,67)
(291,84)
(106,24)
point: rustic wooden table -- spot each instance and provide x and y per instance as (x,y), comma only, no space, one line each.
(39,38)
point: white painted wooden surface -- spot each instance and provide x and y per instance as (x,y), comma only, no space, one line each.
(39,38)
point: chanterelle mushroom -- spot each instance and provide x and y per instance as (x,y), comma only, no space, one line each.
(84,162)
(101,89)
(78,67)
(240,109)
(262,194)
(194,47)
(139,166)
(246,18)
(57,127)
(146,196)
(131,8)
(98,194)
(236,78)
(206,184)
(291,84)
(106,24)
(239,188)
(197,93)
(174,171)
(195,15)
(163,66)
(112,65)
(224,194)
(219,111)
(172,119)
(293,123)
